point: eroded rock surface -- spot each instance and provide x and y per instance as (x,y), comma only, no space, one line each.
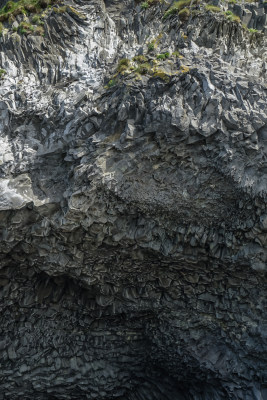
(133,218)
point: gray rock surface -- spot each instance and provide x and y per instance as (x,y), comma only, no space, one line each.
(133,218)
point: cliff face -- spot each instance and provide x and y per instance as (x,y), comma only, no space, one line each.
(133,220)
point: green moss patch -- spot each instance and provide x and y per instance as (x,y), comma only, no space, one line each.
(232,17)
(149,3)
(24,7)
(145,65)
(214,9)
(163,56)
(184,14)
(178,6)
(2,73)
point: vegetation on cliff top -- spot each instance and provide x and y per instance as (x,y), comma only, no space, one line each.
(12,9)
(179,6)
(185,8)
(31,14)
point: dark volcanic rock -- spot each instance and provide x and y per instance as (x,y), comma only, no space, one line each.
(133,218)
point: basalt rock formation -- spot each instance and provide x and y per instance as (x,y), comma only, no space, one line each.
(132,206)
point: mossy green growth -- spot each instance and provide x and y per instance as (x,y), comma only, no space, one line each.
(143,69)
(36,20)
(251,30)
(124,61)
(149,3)
(232,17)
(214,9)
(123,65)
(75,12)
(177,54)
(60,10)
(151,46)
(139,65)
(140,59)
(2,73)
(178,6)
(235,18)
(111,83)
(25,28)
(184,14)
(12,9)
(155,42)
(159,73)
(144,5)
(39,30)
(163,56)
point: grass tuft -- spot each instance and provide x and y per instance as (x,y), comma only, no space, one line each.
(251,30)
(177,54)
(140,59)
(163,56)
(143,69)
(144,5)
(23,7)
(214,9)
(231,16)
(178,6)
(184,14)
(2,73)
(151,46)
(159,73)
(111,83)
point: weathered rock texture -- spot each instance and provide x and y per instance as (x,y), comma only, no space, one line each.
(133,218)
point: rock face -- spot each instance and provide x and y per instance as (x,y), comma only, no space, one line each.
(132,216)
